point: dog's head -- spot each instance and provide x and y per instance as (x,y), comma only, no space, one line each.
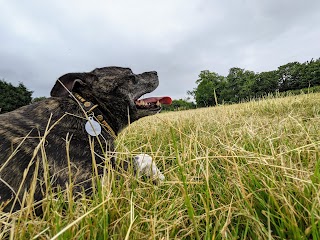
(116,90)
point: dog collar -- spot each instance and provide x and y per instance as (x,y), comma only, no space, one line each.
(89,107)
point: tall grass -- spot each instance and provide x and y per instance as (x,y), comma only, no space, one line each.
(246,171)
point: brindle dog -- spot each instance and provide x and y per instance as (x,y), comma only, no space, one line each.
(109,96)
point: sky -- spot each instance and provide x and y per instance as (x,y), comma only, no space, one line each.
(42,40)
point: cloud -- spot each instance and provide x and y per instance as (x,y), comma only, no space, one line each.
(42,40)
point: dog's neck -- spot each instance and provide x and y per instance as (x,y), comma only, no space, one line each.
(90,109)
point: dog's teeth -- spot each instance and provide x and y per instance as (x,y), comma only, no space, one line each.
(142,103)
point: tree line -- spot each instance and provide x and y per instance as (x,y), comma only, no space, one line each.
(241,84)
(12,97)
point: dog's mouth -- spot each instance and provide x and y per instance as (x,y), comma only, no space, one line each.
(152,103)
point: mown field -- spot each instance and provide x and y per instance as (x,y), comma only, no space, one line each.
(243,171)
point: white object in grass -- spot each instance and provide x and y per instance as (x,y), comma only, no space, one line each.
(146,166)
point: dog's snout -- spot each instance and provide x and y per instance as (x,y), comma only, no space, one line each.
(149,76)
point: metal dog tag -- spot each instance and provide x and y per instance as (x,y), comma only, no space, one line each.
(92,127)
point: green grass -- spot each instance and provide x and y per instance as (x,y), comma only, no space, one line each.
(245,171)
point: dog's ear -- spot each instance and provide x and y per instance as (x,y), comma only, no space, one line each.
(66,84)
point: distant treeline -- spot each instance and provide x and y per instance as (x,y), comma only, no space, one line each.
(177,105)
(212,88)
(241,84)
(12,97)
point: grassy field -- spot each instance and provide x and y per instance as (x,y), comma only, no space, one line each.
(244,171)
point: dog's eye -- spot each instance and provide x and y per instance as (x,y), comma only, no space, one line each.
(133,79)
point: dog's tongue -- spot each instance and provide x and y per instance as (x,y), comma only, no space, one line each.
(162,100)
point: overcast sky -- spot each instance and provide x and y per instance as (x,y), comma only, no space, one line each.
(42,40)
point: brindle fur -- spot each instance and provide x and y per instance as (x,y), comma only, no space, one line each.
(114,89)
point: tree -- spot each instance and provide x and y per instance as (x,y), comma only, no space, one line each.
(289,76)
(312,73)
(239,85)
(265,82)
(12,97)
(208,91)
(247,83)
